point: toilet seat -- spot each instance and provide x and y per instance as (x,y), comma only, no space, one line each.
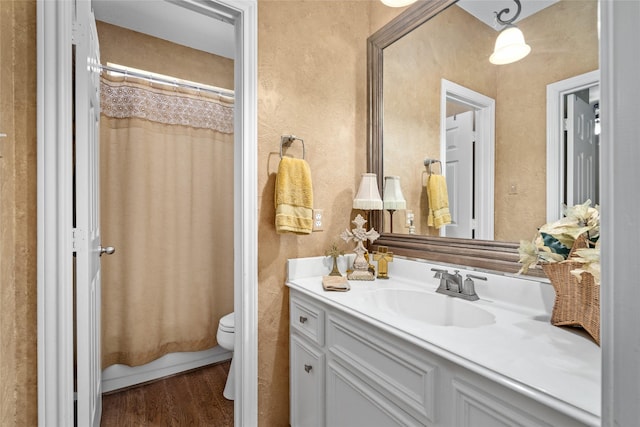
(227,323)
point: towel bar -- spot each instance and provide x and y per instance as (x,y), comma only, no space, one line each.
(287,140)
(428,162)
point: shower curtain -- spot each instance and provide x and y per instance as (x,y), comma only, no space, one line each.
(166,163)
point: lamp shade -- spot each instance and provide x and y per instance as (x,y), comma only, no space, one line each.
(368,196)
(397,3)
(393,198)
(510,46)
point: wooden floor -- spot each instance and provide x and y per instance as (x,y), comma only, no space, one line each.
(190,399)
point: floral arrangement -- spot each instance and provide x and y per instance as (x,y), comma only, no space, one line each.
(554,241)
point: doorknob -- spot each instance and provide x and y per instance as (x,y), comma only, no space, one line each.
(109,250)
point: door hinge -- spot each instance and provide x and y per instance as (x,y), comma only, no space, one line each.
(77,237)
(74,240)
(565,124)
(76,32)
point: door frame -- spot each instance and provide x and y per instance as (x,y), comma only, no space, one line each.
(555,136)
(55,210)
(485,108)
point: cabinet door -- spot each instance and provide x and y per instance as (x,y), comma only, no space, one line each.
(476,406)
(307,384)
(351,402)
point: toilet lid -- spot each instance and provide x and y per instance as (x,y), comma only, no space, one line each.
(227,323)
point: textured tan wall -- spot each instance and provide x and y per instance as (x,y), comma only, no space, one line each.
(564,43)
(18,328)
(380,15)
(413,69)
(312,83)
(125,47)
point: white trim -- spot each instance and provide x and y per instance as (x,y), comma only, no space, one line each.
(246,217)
(55,322)
(485,150)
(555,136)
(620,174)
(54,180)
(121,376)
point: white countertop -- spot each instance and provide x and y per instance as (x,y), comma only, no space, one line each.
(559,367)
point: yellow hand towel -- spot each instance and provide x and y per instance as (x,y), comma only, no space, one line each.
(439,214)
(294,197)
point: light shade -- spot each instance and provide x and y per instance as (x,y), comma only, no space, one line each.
(510,46)
(368,197)
(393,198)
(397,3)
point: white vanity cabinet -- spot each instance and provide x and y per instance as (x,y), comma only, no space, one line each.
(346,371)
(307,363)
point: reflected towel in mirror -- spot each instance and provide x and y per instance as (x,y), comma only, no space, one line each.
(438,196)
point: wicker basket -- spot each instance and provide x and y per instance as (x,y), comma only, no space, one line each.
(577,303)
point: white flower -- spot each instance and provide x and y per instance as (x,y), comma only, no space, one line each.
(548,244)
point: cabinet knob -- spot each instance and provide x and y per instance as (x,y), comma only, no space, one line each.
(303,319)
(308,368)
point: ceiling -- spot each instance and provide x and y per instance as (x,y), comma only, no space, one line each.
(485,10)
(169,21)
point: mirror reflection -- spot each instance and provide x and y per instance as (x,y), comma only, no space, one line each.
(447,110)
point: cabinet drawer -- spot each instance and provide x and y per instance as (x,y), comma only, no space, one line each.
(307,319)
(385,364)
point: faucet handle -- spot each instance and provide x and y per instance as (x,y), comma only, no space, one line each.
(469,288)
(439,272)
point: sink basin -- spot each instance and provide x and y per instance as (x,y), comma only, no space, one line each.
(434,309)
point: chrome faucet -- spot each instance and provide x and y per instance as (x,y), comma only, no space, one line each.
(452,284)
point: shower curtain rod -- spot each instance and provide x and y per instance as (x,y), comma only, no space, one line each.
(167,80)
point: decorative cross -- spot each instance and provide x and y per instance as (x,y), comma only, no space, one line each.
(360,235)
(334,253)
(383,256)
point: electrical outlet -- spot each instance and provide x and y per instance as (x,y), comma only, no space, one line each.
(318,220)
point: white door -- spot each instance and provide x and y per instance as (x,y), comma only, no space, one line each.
(87,207)
(460,175)
(581,152)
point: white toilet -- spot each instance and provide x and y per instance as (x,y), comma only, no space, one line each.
(226,338)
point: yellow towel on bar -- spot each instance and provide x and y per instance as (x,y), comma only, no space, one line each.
(294,197)
(438,196)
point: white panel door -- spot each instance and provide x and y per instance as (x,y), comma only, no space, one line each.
(460,175)
(581,152)
(87,209)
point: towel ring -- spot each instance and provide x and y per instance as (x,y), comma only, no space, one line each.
(429,162)
(287,140)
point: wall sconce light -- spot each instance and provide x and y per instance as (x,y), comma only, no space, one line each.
(397,3)
(393,198)
(510,45)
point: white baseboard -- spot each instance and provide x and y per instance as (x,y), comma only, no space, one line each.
(121,376)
